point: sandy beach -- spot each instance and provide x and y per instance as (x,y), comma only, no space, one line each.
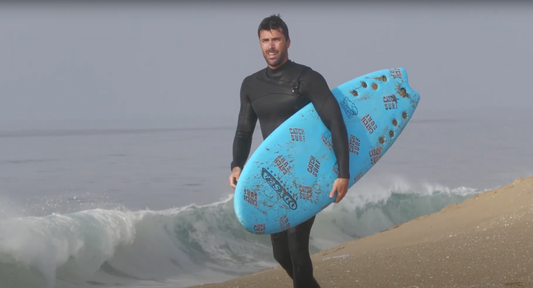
(485,241)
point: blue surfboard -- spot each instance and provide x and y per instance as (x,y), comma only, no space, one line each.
(289,177)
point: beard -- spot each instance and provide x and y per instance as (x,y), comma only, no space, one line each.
(278,60)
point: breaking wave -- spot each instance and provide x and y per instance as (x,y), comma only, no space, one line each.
(188,245)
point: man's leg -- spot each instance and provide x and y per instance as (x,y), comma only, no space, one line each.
(302,267)
(280,247)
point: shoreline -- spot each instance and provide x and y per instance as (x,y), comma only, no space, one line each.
(484,241)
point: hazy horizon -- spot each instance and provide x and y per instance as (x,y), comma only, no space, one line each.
(169,61)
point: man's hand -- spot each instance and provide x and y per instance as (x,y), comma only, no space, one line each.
(341,187)
(234,176)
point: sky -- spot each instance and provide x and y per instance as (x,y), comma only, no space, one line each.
(186,61)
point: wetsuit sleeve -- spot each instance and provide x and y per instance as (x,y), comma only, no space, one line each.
(315,87)
(245,128)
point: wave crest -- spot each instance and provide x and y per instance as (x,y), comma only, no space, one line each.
(192,244)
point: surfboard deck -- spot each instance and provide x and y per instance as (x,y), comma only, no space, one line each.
(289,177)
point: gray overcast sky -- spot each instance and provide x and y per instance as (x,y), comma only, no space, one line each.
(171,61)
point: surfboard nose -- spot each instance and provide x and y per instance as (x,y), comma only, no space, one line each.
(406,90)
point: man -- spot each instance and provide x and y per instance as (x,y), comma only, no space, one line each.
(272,95)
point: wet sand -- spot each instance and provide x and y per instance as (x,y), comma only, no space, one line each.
(485,241)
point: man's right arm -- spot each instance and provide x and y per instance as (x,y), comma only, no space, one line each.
(247,120)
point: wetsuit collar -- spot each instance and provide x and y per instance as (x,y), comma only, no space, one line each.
(278,71)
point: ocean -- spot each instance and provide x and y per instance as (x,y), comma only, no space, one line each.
(147,204)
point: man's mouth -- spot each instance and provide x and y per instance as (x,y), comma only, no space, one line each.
(272,54)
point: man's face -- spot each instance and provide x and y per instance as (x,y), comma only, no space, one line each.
(274,46)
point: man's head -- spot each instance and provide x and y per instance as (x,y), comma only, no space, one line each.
(274,39)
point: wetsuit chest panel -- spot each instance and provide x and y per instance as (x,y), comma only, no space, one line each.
(273,104)
(267,96)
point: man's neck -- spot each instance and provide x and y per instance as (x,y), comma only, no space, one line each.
(280,65)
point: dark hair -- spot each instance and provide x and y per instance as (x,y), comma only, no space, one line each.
(274,22)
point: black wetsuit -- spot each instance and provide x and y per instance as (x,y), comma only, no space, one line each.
(272,96)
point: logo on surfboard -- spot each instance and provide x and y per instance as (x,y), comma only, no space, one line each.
(357,177)
(370,125)
(297,134)
(349,108)
(354,144)
(390,101)
(375,154)
(250,197)
(282,164)
(313,166)
(284,223)
(259,228)
(306,192)
(326,139)
(274,183)
(336,168)
(395,73)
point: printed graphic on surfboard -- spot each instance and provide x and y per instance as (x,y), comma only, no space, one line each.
(288,178)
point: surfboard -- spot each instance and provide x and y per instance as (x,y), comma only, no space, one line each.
(289,177)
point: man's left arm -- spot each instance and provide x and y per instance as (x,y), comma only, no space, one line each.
(314,86)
